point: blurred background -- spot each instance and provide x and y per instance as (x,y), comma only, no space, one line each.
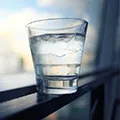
(16,67)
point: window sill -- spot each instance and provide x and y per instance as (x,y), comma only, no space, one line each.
(25,103)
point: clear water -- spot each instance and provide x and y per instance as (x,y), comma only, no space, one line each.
(57,59)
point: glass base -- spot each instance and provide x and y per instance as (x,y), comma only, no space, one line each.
(59,91)
(57,86)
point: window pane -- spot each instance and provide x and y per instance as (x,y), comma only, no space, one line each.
(15,58)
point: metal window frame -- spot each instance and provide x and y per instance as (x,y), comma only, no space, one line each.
(106,54)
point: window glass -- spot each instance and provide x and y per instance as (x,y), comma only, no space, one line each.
(15,58)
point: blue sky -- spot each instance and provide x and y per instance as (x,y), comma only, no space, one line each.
(16,5)
(85,8)
(43,5)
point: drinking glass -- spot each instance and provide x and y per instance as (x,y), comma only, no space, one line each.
(57,46)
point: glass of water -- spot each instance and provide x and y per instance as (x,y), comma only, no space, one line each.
(56,46)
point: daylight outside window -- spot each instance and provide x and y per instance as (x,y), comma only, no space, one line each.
(16,67)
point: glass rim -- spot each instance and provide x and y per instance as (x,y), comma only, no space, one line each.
(51,19)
